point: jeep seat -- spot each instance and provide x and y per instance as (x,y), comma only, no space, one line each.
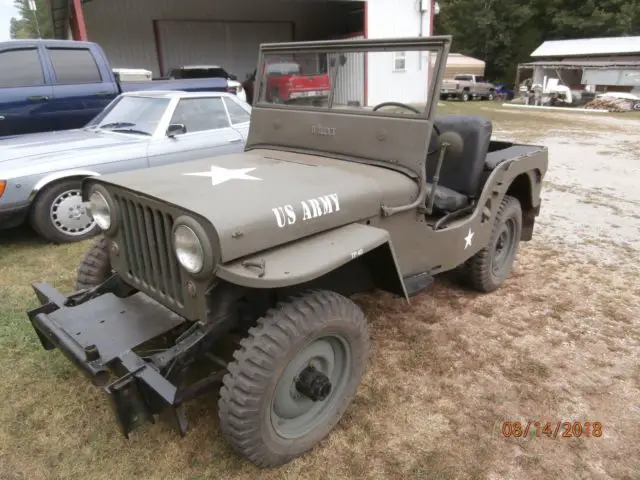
(460,174)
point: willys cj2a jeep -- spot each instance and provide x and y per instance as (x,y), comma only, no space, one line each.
(265,248)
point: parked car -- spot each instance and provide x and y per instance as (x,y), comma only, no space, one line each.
(210,71)
(48,85)
(41,173)
(467,87)
(287,83)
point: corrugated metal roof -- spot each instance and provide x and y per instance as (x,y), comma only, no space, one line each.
(588,46)
(578,64)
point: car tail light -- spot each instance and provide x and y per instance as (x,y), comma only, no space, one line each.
(3,185)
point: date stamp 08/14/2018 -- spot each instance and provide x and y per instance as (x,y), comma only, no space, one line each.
(553,430)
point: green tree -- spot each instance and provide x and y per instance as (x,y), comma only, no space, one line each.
(590,18)
(25,26)
(504,33)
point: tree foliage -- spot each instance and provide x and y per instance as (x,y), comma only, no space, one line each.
(25,26)
(504,33)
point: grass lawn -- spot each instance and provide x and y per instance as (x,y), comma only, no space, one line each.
(559,342)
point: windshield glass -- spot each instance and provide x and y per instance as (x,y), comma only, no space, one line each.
(137,115)
(371,82)
(212,72)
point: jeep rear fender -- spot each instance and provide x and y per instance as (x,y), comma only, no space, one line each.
(305,260)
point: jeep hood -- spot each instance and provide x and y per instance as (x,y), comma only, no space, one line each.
(259,199)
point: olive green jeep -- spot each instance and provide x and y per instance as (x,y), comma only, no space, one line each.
(237,270)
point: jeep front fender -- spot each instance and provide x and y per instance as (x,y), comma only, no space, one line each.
(312,257)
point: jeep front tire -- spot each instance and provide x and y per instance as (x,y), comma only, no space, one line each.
(293,377)
(95,267)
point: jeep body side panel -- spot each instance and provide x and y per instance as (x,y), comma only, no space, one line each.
(419,248)
(308,259)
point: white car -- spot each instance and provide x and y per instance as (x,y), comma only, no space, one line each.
(210,71)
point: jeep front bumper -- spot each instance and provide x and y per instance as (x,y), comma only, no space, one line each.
(99,336)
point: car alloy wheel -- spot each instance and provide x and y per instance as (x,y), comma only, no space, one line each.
(68,214)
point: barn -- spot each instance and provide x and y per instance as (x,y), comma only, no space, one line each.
(608,64)
(160,34)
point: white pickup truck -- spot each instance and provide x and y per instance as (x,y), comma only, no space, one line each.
(467,87)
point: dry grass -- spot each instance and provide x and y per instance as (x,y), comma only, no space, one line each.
(559,342)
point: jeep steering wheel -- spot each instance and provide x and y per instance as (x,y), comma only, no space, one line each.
(396,104)
(408,107)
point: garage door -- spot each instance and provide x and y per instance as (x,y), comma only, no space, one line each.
(232,45)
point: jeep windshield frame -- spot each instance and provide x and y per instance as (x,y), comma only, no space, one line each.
(394,139)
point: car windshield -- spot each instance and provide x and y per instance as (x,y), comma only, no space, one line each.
(136,115)
(372,82)
(213,72)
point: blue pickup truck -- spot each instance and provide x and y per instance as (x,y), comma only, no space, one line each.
(48,85)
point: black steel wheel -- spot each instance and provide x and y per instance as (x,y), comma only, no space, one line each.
(491,266)
(95,267)
(293,377)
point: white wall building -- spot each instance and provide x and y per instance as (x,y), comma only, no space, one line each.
(159,34)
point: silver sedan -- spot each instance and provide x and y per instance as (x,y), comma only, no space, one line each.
(41,173)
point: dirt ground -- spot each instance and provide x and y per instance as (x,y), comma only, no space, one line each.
(559,342)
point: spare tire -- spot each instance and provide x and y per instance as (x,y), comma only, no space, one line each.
(95,267)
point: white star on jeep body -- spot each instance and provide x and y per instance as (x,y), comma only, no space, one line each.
(220,175)
(468,239)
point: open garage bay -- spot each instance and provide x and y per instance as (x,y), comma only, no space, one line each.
(161,34)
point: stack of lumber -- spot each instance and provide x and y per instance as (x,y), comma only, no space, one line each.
(611,104)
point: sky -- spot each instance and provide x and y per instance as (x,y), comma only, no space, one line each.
(6,12)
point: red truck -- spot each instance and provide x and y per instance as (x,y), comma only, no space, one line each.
(286,83)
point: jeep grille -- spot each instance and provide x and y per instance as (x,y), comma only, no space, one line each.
(146,241)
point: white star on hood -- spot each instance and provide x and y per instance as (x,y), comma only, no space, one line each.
(220,175)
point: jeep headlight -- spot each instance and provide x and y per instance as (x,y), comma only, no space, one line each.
(100,210)
(189,249)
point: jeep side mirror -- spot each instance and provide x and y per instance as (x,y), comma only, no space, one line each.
(233,76)
(176,129)
(453,142)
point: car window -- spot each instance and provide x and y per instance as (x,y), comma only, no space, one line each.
(201,73)
(20,68)
(236,112)
(199,114)
(74,66)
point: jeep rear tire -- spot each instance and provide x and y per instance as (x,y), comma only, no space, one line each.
(95,267)
(293,377)
(491,266)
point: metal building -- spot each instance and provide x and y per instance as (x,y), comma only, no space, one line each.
(160,34)
(607,64)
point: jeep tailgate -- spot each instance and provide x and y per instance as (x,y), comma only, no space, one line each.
(309,82)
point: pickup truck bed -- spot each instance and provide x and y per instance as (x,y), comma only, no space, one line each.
(50,85)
